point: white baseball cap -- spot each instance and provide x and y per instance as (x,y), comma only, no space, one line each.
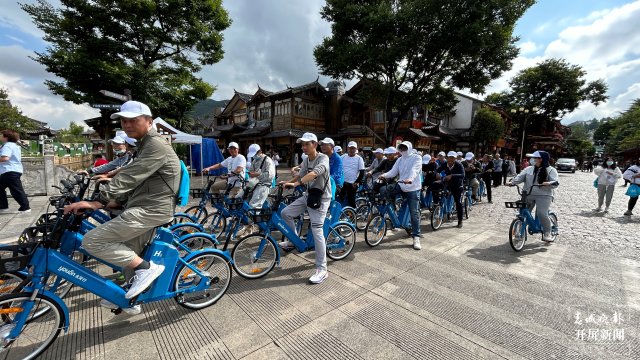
(468,156)
(131,141)
(459,153)
(328,141)
(452,154)
(442,153)
(338,148)
(536,154)
(233,144)
(253,149)
(117,140)
(390,150)
(352,144)
(378,151)
(426,159)
(132,109)
(307,137)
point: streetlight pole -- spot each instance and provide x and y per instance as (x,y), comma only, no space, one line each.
(524,125)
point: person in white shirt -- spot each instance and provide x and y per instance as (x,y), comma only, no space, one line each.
(379,156)
(353,170)
(236,165)
(408,169)
(632,175)
(10,172)
(608,175)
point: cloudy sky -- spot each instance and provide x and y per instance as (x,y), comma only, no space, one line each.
(270,43)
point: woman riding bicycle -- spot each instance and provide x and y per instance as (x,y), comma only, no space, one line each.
(545,178)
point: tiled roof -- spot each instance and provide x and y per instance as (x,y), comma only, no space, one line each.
(260,128)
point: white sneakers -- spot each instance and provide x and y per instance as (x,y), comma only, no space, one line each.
(143,279)
(24,211)
(547,237)
(319,276)
(416,243)
(135,310)
(286,245)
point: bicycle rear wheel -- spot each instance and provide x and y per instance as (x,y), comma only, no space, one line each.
(195,243)
(436,217)
(214,224)
(181,218)
(184,228)
(554,226)
(375,231)
(349,215)
(254,256)
(197,212)
(216,270)
(517,234)
(36,334)
(466,207)
(340,232)
(363,213)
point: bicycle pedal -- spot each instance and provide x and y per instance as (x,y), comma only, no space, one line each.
(117,311)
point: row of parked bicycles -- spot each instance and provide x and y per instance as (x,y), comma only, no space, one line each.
(200,249)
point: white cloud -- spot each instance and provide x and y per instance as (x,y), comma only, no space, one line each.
(606,43)
(528,47)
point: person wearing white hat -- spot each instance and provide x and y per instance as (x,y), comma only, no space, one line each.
(454,179)
(122,157)
(236,164)
(391,156)
(314,174)
(149,186)
(408,170)
(379,157)
(261,174)
(335,162)
(459,156)
(472,168)
(353,168)
(441,160)
(338,150)
(429,167)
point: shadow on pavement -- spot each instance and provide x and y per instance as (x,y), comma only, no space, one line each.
(504,254)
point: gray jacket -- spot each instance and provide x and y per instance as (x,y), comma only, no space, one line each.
(152,179)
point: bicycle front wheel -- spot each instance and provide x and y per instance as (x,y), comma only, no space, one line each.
(337,234)
(195,243)
(254,256)
(375,231)
(436,217)
(215,269)
(517,234)
(466,207)
(554,226)
(349,215)
(36,334)
(197,212)
(363,213)
(214,224)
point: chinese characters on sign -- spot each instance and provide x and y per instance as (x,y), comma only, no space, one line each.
(602,327)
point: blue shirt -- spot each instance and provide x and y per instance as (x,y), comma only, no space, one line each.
(335,169)
(12,150)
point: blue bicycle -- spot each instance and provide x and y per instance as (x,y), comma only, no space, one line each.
(376,228)
(196,281)
(525,223)
(443,210)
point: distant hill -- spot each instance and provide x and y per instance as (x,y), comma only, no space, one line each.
(205,107)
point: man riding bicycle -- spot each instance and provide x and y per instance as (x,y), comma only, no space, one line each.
(148,186)
(236,163)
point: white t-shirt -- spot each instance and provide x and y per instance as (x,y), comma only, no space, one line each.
(232,163)
(351,165)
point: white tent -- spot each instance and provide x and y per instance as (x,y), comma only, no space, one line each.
(179,137)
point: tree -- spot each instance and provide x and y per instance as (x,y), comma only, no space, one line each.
(11,117)
(150,47)
(603,131)
(417,50)
(625,133)
(489,126)
(578,142)
(555,87)
(73,134)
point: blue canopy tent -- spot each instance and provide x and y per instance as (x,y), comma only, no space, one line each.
(207,154)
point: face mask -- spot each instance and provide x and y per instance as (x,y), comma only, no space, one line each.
(405,153)
(119,152)
(609,163)
(532,162)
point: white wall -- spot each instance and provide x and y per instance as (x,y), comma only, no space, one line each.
(464,113)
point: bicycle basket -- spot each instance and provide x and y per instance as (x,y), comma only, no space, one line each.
(515,204)
(260,215)
(47,218)
(235,204)
(15,257)
(216,199)
(197,193)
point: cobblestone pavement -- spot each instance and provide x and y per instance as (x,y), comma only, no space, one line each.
(466,295)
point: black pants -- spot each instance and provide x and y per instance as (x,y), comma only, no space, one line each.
(350,192)
(487,186)
(632,203)
(497,178)
(505,174)
(12,181)
(457,197)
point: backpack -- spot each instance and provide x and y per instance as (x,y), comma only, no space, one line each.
(182,196)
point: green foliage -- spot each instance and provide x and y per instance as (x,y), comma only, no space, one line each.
(489,126)
(416,49)
(579,149)
(150,47)
(11,117)
(603,132)
(555,87)
(625,131)
(73,134)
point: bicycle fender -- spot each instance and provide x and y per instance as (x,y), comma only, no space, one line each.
(344,223)
(225,255)
(198,234)
(57,299)
(194,224)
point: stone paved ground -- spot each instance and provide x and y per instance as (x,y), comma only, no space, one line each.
(466,295)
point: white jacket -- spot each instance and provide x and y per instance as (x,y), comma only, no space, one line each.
(605,178)
(526,177)
(628,175)
(407,168)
